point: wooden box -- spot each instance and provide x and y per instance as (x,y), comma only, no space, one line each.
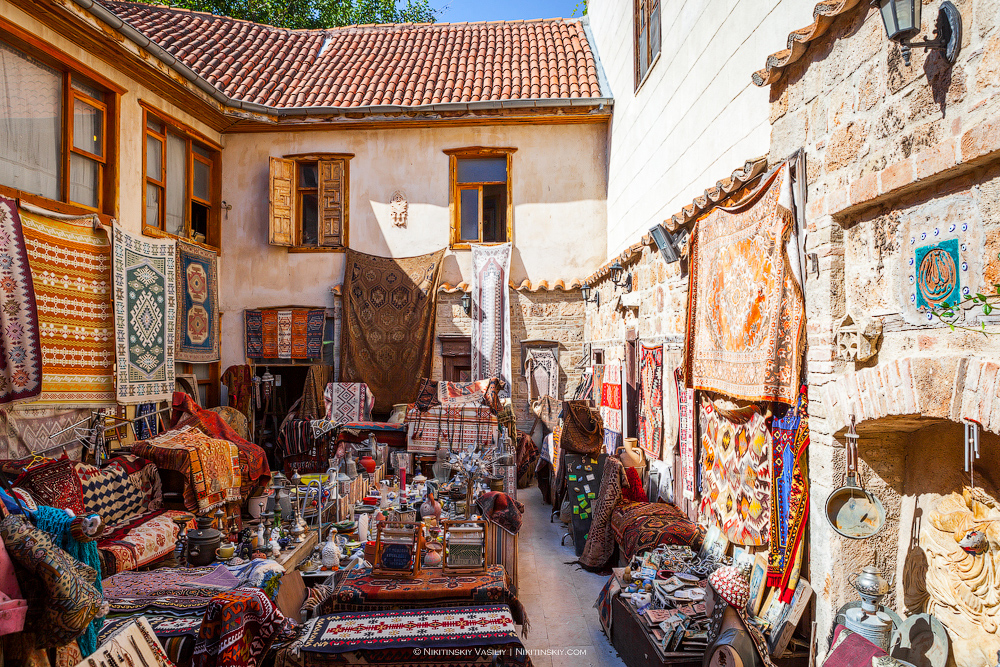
(398,549)
(466,546)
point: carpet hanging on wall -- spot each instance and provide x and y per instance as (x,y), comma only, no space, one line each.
(745,310)
(789,492)
(736,472)
(71,265)
(685,435)
(145,317)
(197,304)
(284,333)
(389,313)
(611,407)
(651,400)
(20,346)
(491,314)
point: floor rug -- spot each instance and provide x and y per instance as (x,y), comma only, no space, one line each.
(491,314)
(685,428)
(736,472)
(197,304)
(20,347)
(426,629)
(789,492)
(639,527)
(238,629)
(390,309)
(71,265)
(651,400)
(163,626)
(745,311)
(145,300)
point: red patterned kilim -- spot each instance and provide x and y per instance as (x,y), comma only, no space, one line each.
(651,401)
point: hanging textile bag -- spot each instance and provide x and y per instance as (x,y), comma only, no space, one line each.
(62,598)
(583,430)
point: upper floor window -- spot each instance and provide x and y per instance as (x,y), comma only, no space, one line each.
(647,37)
(482,210)
(309,202)
(54,130)
(181,182)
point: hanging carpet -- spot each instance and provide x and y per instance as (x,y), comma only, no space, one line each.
(789,492)
(145,301)
(284,333)
(237,379)
(458,426)
(20,347)
(491,314)
(685,429)
(389,313)
(313,404)
(541,368)
(348,402)
(611,407)
(197,304)
(71,265)
(745,311)
(651,400)
(736,472)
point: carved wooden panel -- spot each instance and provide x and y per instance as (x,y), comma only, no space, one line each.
(280,218)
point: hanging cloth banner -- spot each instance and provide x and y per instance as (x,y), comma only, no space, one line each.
(611,406)
(746,313)
(685,427)
(651,401)
(789,492)
(491,314)
(20,346)
(145,300)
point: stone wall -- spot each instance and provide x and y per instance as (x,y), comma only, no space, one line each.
(547,314)
(902,161)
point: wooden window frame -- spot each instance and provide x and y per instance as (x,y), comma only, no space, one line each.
(70,68)
(300,158)
(454,155)
(171,125)
(642,18)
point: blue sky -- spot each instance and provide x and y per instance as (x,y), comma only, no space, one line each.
(455,11)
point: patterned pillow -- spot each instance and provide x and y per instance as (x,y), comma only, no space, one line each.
(54,484)
(127,486)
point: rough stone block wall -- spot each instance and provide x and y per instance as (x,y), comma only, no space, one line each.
(898,157)
(551,315)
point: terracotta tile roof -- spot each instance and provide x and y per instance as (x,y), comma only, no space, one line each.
(722,190)
(402,65)
(824,14)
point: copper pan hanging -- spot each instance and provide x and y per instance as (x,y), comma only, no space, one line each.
(853,511)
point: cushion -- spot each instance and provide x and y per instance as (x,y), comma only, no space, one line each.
(125,487)
(54,483)
(139,541)
(851,650)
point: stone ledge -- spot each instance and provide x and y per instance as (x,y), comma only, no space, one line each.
(953,387)
(947,159)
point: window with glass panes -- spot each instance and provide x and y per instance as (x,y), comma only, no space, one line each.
(647,37)
(180,175)
(481,194)
(54,141)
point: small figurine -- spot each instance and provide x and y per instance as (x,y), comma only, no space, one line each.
(431,507)
(331,552)
(275,547)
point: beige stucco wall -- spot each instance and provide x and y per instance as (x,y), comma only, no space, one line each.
(131,130)
(697,116)
(559,186)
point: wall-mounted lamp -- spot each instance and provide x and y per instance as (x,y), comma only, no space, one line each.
(227,207)
(467,303)
(616,277)
(585,290)
(902,23)
(668,244)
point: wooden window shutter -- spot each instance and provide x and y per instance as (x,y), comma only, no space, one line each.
(281,220)
(332,197)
